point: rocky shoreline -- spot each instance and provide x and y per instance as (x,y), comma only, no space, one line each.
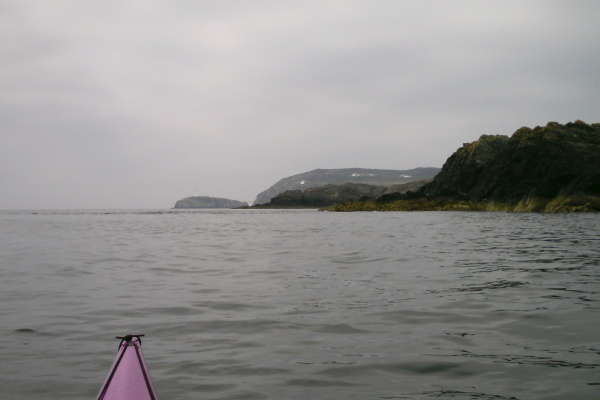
(555,168)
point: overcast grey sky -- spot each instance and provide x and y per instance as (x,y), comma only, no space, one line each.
(136,104)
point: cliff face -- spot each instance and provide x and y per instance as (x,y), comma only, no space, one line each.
(462,171)
(551,169)
(322,177)
(544,164)
(208,202)
(534,170)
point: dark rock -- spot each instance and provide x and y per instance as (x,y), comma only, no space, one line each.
(461,172)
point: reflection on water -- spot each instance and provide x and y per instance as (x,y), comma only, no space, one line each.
(247,304)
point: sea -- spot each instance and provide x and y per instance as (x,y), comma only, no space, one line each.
(302,304)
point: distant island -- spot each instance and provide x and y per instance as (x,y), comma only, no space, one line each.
(208,202)
(321,177)
(555,168)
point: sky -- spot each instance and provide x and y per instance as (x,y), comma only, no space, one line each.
(136,104)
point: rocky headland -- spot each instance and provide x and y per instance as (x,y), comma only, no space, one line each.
(555,168)
(328,195)
(322,177)
(208,202)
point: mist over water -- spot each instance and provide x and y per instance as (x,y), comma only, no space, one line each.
(268,304)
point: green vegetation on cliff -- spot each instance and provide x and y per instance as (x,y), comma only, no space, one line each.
(328,195)
(555,168)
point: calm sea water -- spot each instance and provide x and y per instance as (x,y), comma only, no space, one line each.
(264,304)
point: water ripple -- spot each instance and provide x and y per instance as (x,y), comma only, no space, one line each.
(281,304)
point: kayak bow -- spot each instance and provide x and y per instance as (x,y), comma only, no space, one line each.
(128,378)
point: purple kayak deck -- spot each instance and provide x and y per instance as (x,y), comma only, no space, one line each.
(128,378)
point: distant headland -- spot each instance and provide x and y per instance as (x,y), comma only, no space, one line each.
(332,194)
(208,202)
(321,177)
